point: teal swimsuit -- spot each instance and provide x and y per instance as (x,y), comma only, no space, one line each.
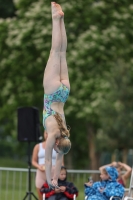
(60,95)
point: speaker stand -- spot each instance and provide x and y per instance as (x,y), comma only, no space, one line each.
(29,194)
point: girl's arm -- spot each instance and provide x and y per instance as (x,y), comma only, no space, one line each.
(48,156)
(128,170)
(114,190)
(113,164)
(89,190)
(58,165)
(35,156)
(48,191)
(71,190)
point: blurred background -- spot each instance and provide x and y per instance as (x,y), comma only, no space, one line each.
(100,60)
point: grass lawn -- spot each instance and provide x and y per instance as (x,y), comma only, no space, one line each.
(9,162)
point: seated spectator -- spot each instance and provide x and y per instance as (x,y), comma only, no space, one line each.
(122,177)
(107,187)
(65,191)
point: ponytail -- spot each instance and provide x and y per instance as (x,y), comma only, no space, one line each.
(64,143)
(64,131)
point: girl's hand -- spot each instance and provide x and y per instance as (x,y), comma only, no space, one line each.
(57,190)
(114,164)
(89,183)
(62,188)
(101,189)
(54,183)
(41,168)
(120,163)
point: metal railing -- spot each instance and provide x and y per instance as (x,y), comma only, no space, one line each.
(14,181)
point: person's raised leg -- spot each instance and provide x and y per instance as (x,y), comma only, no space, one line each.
(64,68)
(51,79)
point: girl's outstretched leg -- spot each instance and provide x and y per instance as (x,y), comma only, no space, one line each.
(51,79)
(64,68)
(51,82)
(56,30)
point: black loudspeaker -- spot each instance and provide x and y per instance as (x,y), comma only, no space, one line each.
(28,124)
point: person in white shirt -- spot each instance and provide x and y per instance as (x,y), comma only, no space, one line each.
(38,161)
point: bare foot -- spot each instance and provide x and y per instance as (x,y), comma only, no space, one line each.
(56,10)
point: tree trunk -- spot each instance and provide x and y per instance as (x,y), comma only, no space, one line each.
(124,155)
(92,149)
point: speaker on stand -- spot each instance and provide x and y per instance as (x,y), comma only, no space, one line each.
(29,131)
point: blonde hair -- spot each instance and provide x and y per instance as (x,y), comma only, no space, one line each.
(64,142)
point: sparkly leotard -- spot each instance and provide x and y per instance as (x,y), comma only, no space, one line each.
(60,95)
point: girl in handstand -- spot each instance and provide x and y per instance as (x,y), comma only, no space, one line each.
(56,88)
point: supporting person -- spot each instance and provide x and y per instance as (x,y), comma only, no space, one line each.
(38,161)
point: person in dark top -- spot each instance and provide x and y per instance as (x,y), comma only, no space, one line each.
(65,191)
